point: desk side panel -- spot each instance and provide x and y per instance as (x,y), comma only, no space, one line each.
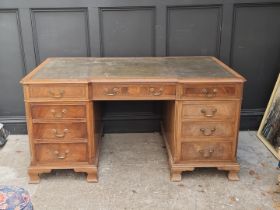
(169,126)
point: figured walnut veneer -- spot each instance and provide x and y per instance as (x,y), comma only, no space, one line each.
(201,96)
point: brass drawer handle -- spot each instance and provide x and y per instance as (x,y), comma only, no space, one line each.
(209,92)
(58,114)
(58,94)
(156,91)
(207,131)
(206,153)
(60,135)
(209,112)
(62,155)
(114,91)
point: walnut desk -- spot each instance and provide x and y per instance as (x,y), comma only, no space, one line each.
(201,97)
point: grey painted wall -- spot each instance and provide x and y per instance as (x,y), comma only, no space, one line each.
(242,33)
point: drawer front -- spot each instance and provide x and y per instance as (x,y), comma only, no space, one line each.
(54,112)
(205,151)
(208,91)
(61,152)
(207,129)
(209,110)
(59,131)
(111,91)
(58,91)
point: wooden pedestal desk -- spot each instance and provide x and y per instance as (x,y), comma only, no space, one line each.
(201,97)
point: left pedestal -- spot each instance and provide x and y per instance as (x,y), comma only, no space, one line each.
(63,129)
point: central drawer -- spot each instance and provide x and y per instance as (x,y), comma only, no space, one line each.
(61,152)
(59,131)
(133,91)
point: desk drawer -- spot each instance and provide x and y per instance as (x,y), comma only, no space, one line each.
(59,131)
(58,91)
(206,151)
(209,110)
(131,91)
(202,129)
(61,152)
(210,91)
(55,112)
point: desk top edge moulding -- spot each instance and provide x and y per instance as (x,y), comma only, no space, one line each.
(201,100)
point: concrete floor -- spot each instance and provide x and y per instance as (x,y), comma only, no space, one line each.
(134,174)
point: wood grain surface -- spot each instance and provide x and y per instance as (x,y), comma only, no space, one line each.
(201,97)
